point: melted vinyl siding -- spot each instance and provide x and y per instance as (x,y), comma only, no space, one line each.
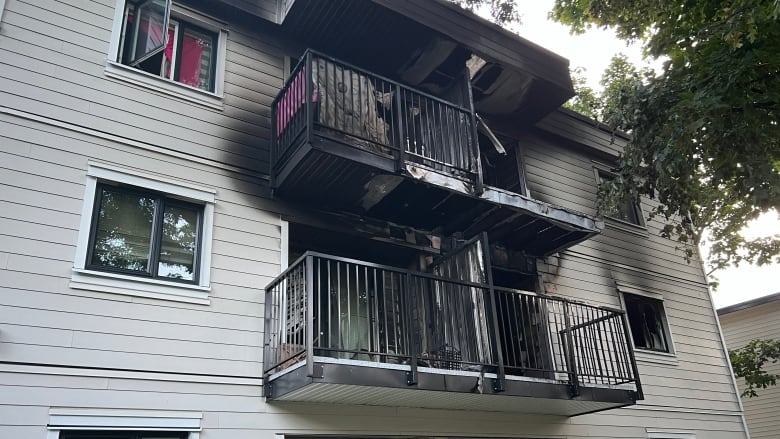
(762,322)
(52,60)
(698,376)
(44,321)
(564,176)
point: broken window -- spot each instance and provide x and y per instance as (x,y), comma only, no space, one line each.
(647,319)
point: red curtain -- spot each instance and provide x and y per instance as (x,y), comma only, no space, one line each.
(189,63)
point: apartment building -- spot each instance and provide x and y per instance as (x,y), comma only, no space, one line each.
(757,319)
(347,218)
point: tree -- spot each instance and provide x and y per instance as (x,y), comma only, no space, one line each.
(705,134)
(620,81)
(749,361)
(585,100)
(502,12)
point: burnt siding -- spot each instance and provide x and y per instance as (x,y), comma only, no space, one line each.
(58,111)
(560,171)
(54,57)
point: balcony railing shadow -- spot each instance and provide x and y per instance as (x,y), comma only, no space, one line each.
(349,310)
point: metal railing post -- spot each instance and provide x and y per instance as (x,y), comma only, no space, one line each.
(268,337)
(308,77)
(570,357)
(309,315)
(273,146)
(479,183)
(498,385)
(411,377)
(399,114)
(634,369)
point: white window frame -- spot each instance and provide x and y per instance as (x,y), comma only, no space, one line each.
(624,288)
(63,419)
(94,280)
(657,434)
(2,9)
(116,70)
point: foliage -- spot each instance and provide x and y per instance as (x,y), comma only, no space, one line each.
(620,81)
(585,100)
(749,361)
(705,134)
(503,12)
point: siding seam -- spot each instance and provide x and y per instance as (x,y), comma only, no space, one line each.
(125,141)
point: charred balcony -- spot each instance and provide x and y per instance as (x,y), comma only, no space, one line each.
(350,332)
(348,140)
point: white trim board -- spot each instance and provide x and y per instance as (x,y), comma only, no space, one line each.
(63,418)
(92,280)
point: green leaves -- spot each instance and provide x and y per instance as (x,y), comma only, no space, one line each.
(749,361)
(705,134)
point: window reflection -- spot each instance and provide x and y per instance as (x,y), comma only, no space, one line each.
(179,239)
(124,231)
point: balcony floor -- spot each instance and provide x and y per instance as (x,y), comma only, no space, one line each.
(334,176)
(370,383)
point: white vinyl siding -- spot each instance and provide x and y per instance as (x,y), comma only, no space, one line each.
(62,347)
(739,328)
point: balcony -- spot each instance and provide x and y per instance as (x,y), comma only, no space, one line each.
(345,139)
(350,332)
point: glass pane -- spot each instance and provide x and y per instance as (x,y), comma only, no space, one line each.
(195,68)
(149,38)
(124,230)
(179,241)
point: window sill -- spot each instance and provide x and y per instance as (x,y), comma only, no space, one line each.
(136,286)
(625,226)
(129,74)
(647,356)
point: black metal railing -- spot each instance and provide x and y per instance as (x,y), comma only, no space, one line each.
(335,307)
(363,110)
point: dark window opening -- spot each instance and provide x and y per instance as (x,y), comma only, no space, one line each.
(144,233)
(647,320)
(504,171)
(76,434)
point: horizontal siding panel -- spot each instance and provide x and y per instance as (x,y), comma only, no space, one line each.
(132,361)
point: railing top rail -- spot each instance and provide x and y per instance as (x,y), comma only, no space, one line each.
(376,266)
(369,73)
(561,299)
(289,80)
(300,260)
(287,270)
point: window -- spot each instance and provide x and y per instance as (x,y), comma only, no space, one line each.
(186,54)
(669,435)
(144,234)
(90,434)
(168,47)
(647,320)
(83,423)
(624,209)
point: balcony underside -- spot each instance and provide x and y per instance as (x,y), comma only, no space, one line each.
(334,175)
(349,382)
